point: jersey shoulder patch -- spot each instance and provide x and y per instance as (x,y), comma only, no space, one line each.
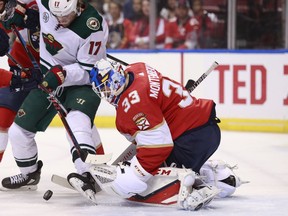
(88,22)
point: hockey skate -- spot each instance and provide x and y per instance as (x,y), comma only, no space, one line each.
(85,185)
(26,182)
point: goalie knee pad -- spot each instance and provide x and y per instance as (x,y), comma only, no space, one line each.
(218,173)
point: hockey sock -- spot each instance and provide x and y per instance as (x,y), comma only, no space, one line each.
(6,119)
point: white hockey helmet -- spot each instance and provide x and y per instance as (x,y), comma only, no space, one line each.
(62,8)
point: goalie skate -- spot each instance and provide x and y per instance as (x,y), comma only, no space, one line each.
(84,184)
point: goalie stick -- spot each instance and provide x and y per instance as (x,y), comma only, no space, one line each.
(127,154)
(117,60)
(15,62)
(62,112)
(191,84)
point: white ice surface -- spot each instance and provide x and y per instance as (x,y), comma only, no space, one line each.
(262,159)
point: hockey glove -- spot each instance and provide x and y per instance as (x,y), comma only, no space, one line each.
(32,19)
(34,74)
(54,77)
(22,84)
(4,43)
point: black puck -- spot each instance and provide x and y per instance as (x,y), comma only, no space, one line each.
(47,195)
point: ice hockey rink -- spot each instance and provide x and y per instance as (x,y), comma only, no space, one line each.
(262,159)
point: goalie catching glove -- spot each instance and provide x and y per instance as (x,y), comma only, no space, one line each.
(54,77)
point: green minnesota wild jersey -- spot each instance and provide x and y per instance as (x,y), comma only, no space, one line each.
(77,48)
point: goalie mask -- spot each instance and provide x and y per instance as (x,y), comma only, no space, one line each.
(7,9)
(108,80)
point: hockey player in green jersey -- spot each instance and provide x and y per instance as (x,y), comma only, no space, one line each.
(73,37)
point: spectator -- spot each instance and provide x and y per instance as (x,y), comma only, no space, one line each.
(98,5)
(207,22)
(132,10)
(140,35)
(181,32)
(168,11)
(119,27)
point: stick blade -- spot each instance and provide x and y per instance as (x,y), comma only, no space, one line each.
(98,159)
(61,181)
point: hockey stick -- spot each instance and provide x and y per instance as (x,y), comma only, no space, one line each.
(15,62)
(62,112)
(117,60)
(191,84)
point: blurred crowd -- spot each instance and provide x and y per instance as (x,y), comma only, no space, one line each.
(180,24)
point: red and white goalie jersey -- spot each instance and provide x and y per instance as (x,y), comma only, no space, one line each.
(154,110)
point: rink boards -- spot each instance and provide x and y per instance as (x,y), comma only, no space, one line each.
(250,88)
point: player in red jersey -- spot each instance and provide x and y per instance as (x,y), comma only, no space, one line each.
(10,101)
(169,126)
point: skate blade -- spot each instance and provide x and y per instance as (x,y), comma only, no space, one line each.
(23,188)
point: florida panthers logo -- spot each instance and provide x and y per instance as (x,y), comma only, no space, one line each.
(141,121)
(51,44)
(33,38)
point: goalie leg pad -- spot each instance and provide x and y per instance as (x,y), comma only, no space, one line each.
(221,175)
(190,198)
(198,198)
(122,180)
